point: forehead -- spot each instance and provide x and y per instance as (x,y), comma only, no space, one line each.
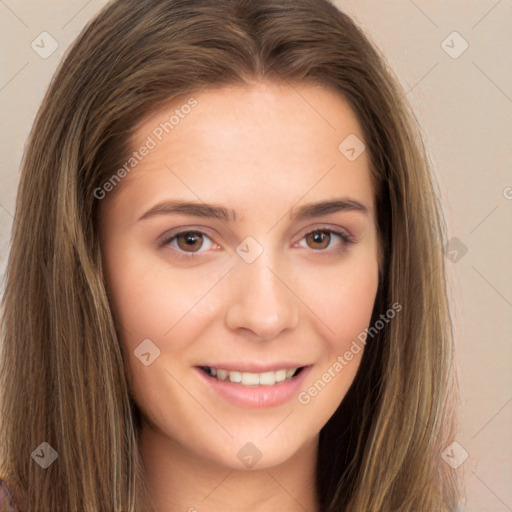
(268,141)
(300,114)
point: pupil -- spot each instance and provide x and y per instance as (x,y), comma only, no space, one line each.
(319,237)
(191,239)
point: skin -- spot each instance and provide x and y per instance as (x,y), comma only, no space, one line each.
(263,150)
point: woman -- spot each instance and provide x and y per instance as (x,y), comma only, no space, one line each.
(256,372)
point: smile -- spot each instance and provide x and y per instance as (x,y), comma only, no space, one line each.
(269,378)
(268,388)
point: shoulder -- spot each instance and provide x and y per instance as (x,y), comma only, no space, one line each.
(6,498)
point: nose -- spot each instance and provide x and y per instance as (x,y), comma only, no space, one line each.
(262,301)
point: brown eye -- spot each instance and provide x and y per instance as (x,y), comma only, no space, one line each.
(188,244)
(320,238)
(189,240)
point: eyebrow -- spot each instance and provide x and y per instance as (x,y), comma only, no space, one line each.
(213,211)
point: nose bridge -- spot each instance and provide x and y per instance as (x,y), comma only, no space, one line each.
(261,301)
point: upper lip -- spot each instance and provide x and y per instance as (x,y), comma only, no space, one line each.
(254,366)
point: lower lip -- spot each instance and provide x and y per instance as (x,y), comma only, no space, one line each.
(256,396)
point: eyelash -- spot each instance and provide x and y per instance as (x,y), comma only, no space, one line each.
(347,240)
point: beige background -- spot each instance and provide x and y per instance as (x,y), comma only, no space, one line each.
(464,106)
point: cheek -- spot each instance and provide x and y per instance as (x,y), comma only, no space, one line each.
(343,300)
(152,300)
(344,306)
(147,297)
(351,312)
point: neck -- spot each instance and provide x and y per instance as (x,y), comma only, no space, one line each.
(180,480)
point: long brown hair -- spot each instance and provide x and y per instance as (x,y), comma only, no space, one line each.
(62,374)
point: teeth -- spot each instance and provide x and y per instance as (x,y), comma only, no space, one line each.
(281,375)
(252,379)
(267,378)
(235,377)
(248,379)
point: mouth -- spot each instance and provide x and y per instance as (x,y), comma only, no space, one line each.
(268,378)
(265,389)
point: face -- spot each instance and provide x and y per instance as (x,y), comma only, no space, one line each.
(216,263)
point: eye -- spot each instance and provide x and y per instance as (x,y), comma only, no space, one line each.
(186,242)
(321,236)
